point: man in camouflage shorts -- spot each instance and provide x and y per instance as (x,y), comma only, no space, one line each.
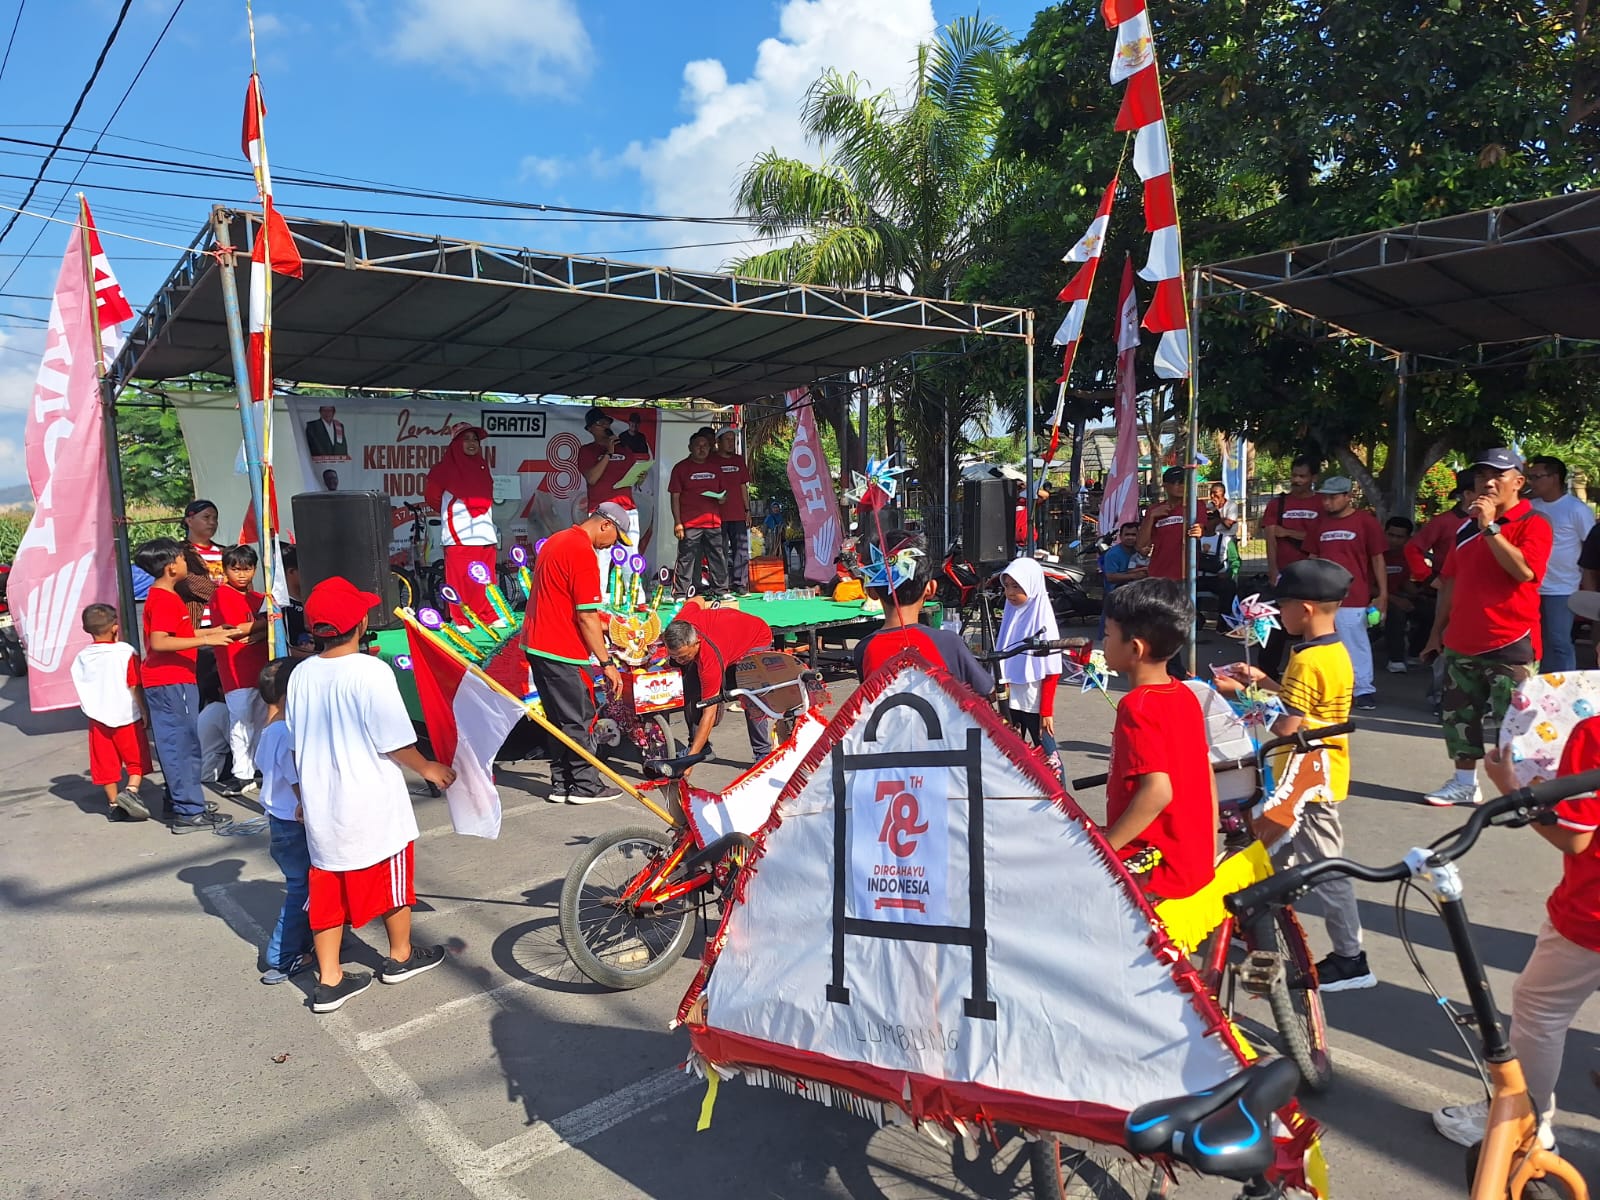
(1488,621)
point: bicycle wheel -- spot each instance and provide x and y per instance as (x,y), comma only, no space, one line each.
(1297,1006)
(611,943)
(1067,1173)
(404,589)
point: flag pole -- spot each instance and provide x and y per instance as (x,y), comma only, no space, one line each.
(108,410)
(1192,499)
(1027,475)
(228,255)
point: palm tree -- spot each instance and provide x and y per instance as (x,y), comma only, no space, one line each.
(899,202)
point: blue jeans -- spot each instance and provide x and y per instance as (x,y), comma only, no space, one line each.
(1559,652)
(291,936)
(174,711)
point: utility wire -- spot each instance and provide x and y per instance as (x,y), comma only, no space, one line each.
(105,50)
(128,91)
(11,41)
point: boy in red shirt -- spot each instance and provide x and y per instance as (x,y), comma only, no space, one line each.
(1160,795)
(172,697)
(1564,969)
(106,676)
(239,663)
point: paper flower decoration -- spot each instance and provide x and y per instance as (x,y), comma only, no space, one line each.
(877,489)
(1256,707)
(891,572)
(1091,676)
(1252,620)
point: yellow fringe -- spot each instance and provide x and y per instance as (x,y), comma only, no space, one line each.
(1189,921)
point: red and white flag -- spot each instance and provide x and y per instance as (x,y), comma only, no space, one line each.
(468,718)
(813,489)
(1121,501)
(64,562)
(272,239)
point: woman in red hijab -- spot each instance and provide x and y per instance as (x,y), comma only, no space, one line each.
(461,490)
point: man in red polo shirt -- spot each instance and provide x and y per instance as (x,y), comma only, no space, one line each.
(562,630)
(1290,515)
(735,508)
(697,489)
(1488,620)
(707,642)
(1162,531)
(1352,537)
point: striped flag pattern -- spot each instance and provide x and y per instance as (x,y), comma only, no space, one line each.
(1076,296)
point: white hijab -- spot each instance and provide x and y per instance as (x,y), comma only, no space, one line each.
(1019,622)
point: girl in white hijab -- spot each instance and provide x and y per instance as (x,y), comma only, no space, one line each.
(1032,679)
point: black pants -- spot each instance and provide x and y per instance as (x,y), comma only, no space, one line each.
(758,726)
(707,544)
(737,534)
(1405,633)
(569,706)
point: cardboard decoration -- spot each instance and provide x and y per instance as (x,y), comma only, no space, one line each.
(1541,716)
(932,929)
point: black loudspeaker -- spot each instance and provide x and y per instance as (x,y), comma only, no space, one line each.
(988,520)
(347,533)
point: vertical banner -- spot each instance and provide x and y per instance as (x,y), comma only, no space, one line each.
(64,561)
(813,489)
(1121,497)
(1235,450)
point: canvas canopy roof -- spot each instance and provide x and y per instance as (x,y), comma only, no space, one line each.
(1446,288)
(382,309)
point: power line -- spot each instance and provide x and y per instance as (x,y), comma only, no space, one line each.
(76,109)
(128,91)
(11,41)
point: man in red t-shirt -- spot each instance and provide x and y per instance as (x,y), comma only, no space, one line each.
(1162,530)
(735,508)
(1429,546)
(1352,537)
(707,642)
(1487,625)
(698,490)
(1289,516)
(562,631)
(603,463)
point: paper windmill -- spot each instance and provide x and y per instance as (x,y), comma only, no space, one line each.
(891,572)
(1252,620)
(877,489)
(1256,707)
(1091,676)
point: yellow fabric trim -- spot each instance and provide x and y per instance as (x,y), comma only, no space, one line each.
(1189,921)
(710,1102)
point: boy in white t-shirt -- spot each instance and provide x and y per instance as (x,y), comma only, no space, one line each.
(289,948)
(351,736)
(106,676)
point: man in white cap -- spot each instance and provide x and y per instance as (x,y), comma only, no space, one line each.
(1487,625)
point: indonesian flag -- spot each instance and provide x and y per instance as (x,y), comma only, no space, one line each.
(273,239)
(111,306)
(1076,296)
(1135,49)
(468,717)
(1092,242)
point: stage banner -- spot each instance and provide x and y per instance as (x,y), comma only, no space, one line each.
(390,446)
(64,561)
(811,479)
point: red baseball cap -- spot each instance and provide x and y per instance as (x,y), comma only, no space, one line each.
(336,606)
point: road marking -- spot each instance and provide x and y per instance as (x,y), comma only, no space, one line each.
(449,1010)
(544,1139)
(516,810)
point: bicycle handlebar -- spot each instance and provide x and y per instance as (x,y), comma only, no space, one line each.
(1513,809)
(805,679)
(1305,740)
(1035,645)
(671,768)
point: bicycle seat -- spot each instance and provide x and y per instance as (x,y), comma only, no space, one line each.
(1225,1131)
(670,768)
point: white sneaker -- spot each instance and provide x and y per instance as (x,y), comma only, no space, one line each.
(1397,668)
(1453,792)
(603,797)
(1464,1124)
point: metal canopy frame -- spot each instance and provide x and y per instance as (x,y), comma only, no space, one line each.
(383,309)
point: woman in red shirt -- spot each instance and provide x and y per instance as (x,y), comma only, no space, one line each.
(461,490)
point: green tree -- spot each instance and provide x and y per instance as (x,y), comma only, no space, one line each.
(1294,121)
(155,462)
(900,201)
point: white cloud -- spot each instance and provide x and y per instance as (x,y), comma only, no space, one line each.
(524,46)
(545,170)
(693,169)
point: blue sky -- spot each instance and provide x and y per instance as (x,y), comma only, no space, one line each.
(613,104)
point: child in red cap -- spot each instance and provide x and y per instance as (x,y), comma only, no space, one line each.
(351,736)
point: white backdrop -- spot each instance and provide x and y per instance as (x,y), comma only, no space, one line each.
(391,444)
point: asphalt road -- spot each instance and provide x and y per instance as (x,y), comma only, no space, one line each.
(141,1057)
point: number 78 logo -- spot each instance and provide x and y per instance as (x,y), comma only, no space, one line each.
(902,819)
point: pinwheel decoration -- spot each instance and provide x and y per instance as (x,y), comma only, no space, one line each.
(877,489)
(890,571)
(1256,707)
(1252,620)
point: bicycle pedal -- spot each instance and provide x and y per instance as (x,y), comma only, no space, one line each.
(1260,971)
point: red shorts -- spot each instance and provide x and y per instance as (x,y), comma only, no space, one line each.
(356,897)
(111,749)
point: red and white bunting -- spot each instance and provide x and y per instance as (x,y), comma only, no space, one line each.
(1143,113)
(1087,251)
(1092,242)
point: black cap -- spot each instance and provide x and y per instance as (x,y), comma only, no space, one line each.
(1466,480)
(1498,459)
(704,431)
(596,414)
(1172,474)
(1314,579)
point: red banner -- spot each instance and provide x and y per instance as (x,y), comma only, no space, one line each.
(812,482)
(1121,497)
(65,561)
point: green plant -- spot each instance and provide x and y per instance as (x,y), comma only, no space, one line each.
(12,527)
(1434,491)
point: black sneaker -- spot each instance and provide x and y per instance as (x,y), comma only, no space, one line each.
(1367,703)
(201,820)
(169,814)
(130,804)
(423,958)
(1339,973)
(325,999)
